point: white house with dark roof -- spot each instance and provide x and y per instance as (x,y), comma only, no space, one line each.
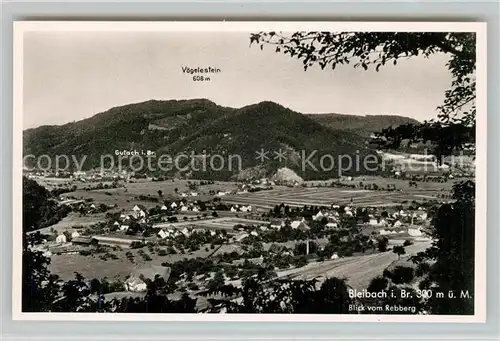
(320,215)
(61,239)
(137,280)
(163,234)
(299,224)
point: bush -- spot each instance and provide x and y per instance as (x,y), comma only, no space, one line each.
(402,274)
(382,244)
(193,286)
(407,243)
(299,261)
(422,269)
(136,245)
(378,284)
(387,273)
(85,252)
(116,286)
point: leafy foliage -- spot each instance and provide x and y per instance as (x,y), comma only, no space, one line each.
(378,49)
(283,296)
(451,257)
(399,250)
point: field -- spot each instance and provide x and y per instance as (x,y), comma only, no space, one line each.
(74,221)
(226,223)
(91,266)
(326,196)
(359,270)
(124,198)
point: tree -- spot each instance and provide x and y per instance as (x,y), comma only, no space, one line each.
(407,242)
(382,244)
(402,274)
(216,282)
(456,124)
(95,286)
(160,193)
(451,256)
(399,250)
(378,284)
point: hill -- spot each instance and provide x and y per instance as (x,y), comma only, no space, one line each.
(203,128)
(361,125)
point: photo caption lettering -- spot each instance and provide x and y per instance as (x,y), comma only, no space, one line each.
(201,74)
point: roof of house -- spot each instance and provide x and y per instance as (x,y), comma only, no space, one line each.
(82,240)
(152,271)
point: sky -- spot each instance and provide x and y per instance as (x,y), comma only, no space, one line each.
(69,76)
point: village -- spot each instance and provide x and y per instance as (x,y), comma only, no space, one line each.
(200,234)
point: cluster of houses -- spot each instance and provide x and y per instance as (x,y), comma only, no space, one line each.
(242,208)
(172,232)
(192,194)
(136,282)
(183,207)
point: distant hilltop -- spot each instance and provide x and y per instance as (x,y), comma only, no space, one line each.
(361,125)
(200,125)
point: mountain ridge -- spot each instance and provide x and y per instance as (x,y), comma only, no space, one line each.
(183,126)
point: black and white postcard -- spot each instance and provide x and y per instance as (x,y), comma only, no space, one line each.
(250,171)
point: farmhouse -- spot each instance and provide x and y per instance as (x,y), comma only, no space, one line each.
(415,232)
(81,240)
(116,241)
(239,237)
(299,225)
(137,280)
(320,216)
(163,234)
(422,157)
(139,211)
(331,225)
(61,239)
